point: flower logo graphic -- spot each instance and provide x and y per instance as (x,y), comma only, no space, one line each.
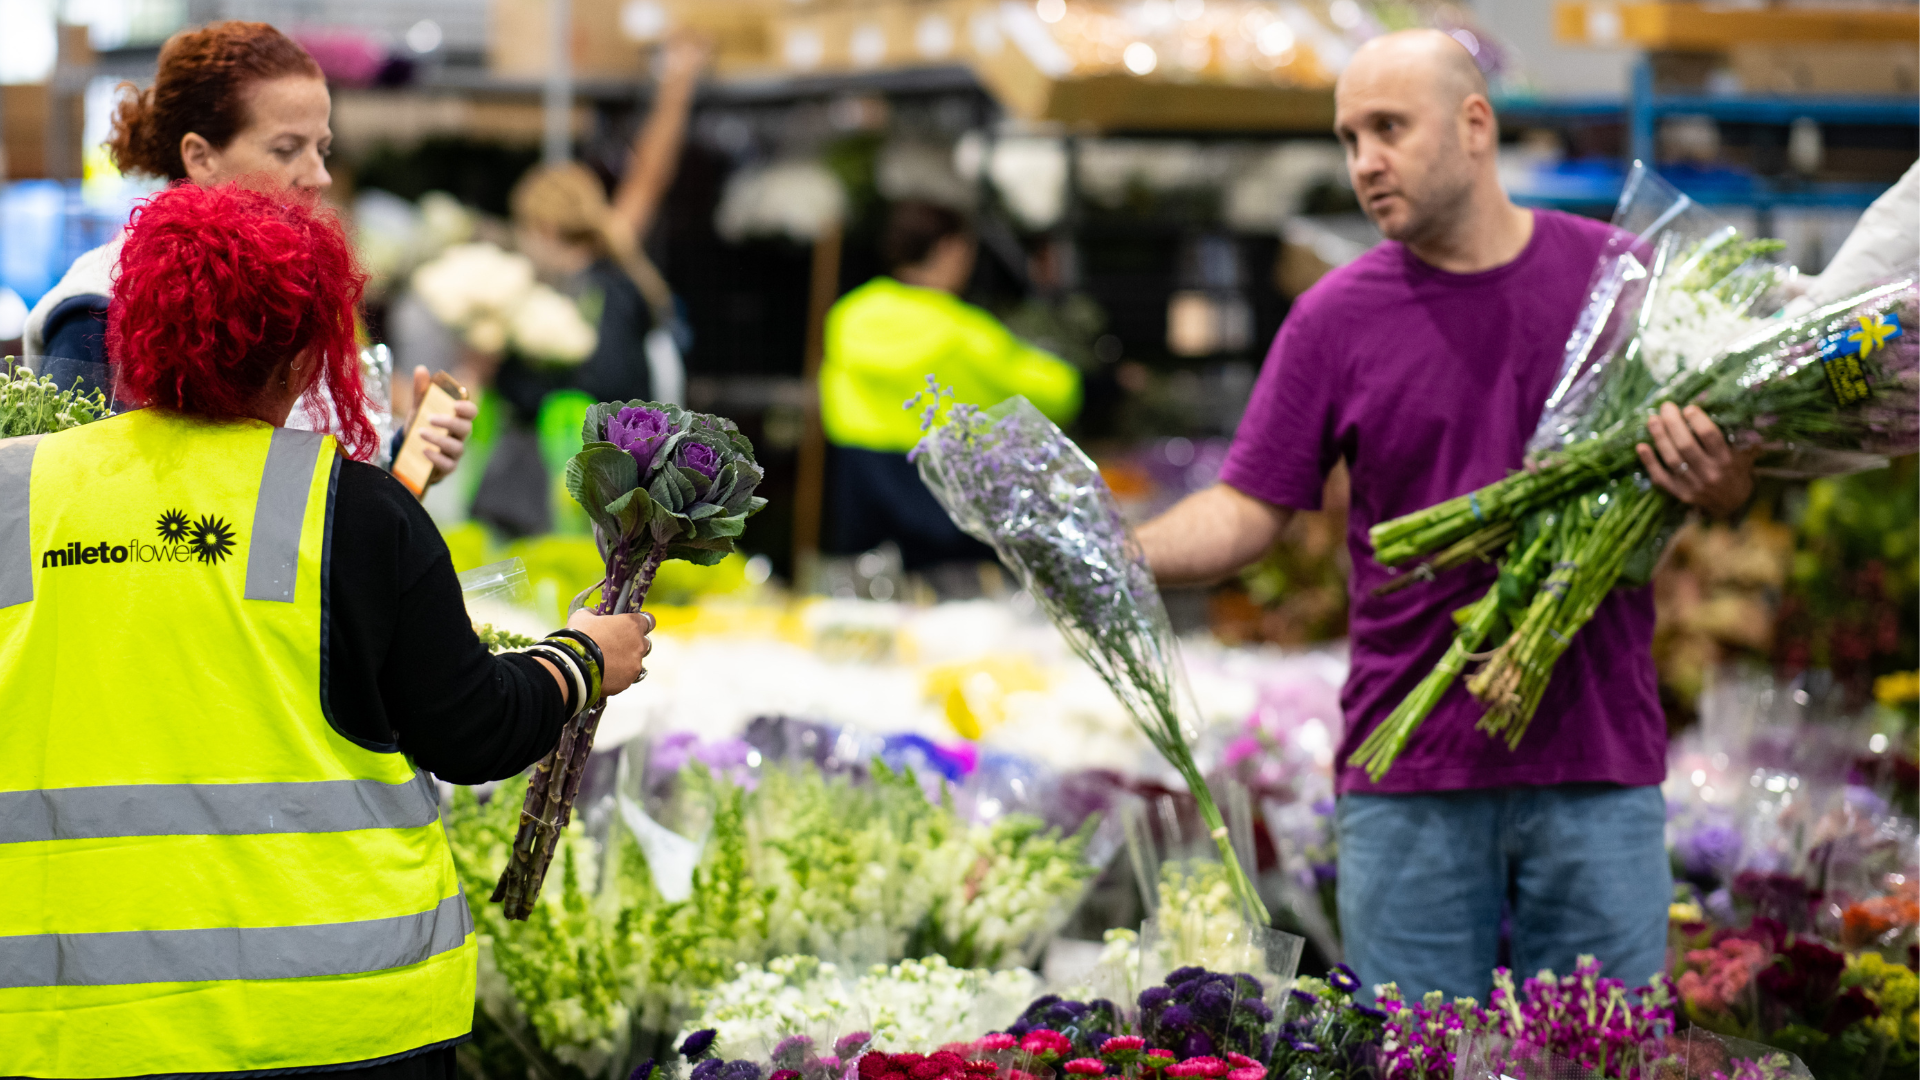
(211,539)
(173,527)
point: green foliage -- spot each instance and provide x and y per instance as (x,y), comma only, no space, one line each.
(863,872)
(500,640)
(30,405)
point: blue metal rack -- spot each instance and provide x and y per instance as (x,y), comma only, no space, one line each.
(1597,183)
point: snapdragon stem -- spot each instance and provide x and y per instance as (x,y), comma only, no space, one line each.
(556,778)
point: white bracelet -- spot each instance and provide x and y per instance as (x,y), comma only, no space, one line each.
(569,664)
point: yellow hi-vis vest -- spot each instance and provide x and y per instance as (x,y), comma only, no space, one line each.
(198,874)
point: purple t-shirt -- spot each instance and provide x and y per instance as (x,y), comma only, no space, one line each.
(1429,385)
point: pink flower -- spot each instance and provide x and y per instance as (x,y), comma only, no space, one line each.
(1086,1067)
(1198,1066)
(1240,1061)
(999,1040)
(1043,1041)
(1122,1044)
(1251,1072)
(1158,1058)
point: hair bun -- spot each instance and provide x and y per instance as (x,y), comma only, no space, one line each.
(130,143)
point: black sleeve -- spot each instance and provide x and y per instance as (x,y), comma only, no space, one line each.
(402,667)
(75,336)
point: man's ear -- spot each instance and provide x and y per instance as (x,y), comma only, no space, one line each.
(1482,130)
(197,157)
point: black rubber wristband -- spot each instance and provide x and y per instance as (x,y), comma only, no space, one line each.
(593,648)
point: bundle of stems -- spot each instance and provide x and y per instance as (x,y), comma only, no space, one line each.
(555,782)
(1515,678)
(1769,388)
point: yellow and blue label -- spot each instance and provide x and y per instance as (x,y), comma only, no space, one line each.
(1842,353)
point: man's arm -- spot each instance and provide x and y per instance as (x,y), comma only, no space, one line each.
(1211,534)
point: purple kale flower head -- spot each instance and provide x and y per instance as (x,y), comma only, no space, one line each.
(699,457)
(1343,979)
(642,1071)
(639,431)
(697,1044)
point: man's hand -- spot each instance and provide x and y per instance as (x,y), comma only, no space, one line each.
(1210,534)
(445,445)
(1694,462)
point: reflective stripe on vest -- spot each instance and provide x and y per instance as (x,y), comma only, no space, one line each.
(212,810)
(16,537)
(119,958)
(205,876)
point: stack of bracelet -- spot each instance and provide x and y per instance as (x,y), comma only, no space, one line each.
(580,662)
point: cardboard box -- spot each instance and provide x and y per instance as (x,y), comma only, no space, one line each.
(517,40)
(1712,27)
(1827,69)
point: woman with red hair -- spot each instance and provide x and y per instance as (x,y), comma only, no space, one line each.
(230,654)
(231,102)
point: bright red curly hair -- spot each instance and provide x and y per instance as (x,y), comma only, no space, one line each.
(219,287)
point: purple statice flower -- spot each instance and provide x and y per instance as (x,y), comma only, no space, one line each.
(698,457)
(641,432)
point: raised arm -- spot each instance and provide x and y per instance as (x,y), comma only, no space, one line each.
(655,154)
(1211,534)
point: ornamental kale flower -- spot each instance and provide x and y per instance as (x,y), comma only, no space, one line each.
(699,457)
(640,431)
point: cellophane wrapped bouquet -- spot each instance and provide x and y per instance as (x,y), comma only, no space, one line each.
(1680,311)
(1010,478)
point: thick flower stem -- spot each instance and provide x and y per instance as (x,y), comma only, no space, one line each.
(556,778)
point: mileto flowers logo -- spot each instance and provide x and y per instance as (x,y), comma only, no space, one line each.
(182,539)
(210,539)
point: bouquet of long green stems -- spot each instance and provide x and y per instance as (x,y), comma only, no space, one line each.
(1676,315)
(1009,477)
(30,405)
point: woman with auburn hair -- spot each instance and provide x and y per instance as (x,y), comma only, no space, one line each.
(231,102)
(216,819)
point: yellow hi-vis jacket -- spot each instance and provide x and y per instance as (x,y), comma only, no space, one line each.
(884,338)
(200,874)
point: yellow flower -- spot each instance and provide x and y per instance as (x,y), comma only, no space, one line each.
(1873,333)
(1688,912)
(1893,987)
(1901,686)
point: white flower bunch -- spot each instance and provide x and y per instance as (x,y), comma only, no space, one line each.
(914,1006)
(794,199)
(492,298)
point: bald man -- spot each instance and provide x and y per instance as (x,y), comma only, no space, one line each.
(1424,366)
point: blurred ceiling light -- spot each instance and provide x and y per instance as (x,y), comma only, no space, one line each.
(1275,38)
(1051,10)
(1189,10)
(28,46)
(1344,13)
(424,36)
(1140,58)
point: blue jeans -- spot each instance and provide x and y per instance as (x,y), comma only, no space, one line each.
(1582,868)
